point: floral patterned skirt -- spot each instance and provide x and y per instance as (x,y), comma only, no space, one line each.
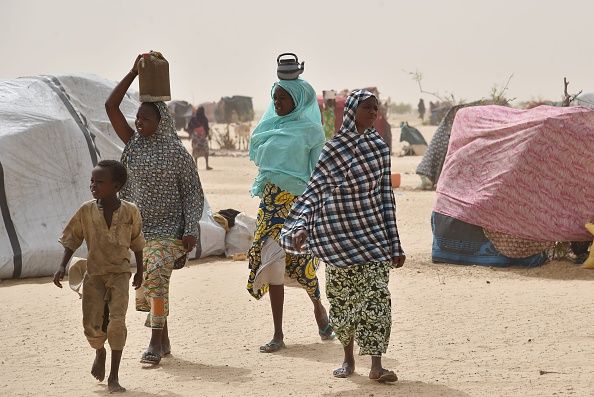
(274,209)
(360,305)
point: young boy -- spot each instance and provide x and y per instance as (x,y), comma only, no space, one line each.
(347,215)
(110,227)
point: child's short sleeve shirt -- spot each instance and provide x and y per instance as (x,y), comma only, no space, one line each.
(108,247)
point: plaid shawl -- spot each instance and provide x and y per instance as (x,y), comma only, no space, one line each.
(348,208)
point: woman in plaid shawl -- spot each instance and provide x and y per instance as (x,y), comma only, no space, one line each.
(347,218)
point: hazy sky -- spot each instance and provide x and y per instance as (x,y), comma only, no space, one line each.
(224,47)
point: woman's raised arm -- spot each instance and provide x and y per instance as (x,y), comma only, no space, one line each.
(112,105)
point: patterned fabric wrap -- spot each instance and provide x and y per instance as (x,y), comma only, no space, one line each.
(432,161)
(348,208)
(159,257)
(360,305)
(526,173)
(516,247)
(273,210)
(163,182)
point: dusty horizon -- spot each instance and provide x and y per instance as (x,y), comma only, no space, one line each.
(461,47)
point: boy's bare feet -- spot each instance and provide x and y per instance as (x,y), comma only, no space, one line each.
(98,369)
(113,385)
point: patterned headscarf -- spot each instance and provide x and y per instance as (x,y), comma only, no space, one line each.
(165,134)
(155,148)
(350,108)
(166,125)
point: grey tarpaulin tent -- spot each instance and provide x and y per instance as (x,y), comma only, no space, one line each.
(53,130)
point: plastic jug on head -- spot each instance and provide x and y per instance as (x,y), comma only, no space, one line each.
(153,78)
(288,68)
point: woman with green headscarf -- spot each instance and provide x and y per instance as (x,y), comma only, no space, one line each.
(285,145)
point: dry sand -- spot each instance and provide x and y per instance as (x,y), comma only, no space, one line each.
(457,331)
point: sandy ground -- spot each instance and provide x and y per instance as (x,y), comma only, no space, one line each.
(457,331)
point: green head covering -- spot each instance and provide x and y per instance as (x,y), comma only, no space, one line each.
(284,147)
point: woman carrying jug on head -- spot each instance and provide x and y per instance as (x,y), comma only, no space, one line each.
(285,146)
(163,182)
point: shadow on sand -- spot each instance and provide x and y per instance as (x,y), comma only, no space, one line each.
(134,393)
(328,352)
(366,387)
(553,270)
(184,370)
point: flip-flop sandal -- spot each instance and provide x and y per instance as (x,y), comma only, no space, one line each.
(150,358)
(327,333)
(272,346)
(343,372)
(386,377)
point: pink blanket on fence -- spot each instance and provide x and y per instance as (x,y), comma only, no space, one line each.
(528,173)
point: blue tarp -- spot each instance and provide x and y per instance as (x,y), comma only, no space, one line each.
(461,243)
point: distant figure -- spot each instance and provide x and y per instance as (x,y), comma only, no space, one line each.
(328,114)
(421,108)
(199,132)
(110,227)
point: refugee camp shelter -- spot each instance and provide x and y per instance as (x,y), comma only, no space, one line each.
(234,109)
(514,182)
(182,113)
(53,130)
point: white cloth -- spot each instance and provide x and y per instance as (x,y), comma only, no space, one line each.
(272,270)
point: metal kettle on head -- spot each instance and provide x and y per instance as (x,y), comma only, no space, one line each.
(289,68)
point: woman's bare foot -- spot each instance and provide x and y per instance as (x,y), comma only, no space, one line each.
(98,369)
(345,371)
(113,385)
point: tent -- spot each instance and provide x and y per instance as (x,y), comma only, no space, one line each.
(182,113)
(418,145)
(53,130)
(523,177)
(235,109)
(435,154)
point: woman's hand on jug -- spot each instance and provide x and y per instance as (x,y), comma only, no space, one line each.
(135,66)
